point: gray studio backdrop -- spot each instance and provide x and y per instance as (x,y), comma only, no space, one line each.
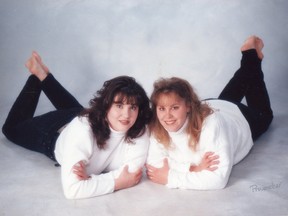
(85,42)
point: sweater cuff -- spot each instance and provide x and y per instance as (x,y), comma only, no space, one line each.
(107,182)
(174,179)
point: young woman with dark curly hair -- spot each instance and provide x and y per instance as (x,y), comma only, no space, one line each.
(101,148)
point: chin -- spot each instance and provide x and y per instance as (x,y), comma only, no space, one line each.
(170,129)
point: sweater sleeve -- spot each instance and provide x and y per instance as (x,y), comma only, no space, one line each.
(135,155)
(215,139)
(95,186)
(76,144)
(156,153)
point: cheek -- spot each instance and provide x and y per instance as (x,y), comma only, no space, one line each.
(182,117)
(184,114)
(160,118)
(110,115)
(158,114)
(135,115)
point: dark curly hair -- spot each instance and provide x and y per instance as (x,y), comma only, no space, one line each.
(130,91)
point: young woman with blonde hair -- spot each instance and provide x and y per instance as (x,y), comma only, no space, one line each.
(184,130)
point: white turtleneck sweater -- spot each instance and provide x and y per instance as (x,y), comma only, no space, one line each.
(225,132)
(76,143)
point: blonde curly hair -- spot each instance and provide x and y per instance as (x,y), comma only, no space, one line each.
(198,110)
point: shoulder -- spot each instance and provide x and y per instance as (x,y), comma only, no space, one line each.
(219,121)
(77,131)
(80,121)
(218,103)
(140,143)
(142,140)
(155,144)
(224,108)
(78,126)
(213,126)
(75,143)
(227,115)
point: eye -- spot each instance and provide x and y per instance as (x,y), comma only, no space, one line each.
(134,107)
(161,108)
(175,107)
(118,105)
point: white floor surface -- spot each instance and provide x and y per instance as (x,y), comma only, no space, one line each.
(85,42)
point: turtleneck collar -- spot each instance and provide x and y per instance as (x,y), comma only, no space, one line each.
(182,130)
(115,133)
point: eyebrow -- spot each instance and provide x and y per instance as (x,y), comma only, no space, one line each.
(121,102)
(175,104)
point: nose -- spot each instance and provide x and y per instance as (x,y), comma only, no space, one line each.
(126,112)
(168,113)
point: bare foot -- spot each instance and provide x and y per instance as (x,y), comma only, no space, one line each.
(259,47)
(36,67)
(39,60)
(254,42)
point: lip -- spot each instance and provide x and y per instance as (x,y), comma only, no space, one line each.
(170,122)
(124,122)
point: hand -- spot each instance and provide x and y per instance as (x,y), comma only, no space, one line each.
(158,175)
(127,179)
(208,162)
(79,170)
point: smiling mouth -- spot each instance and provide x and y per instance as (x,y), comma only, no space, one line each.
(124,122)
(171,122)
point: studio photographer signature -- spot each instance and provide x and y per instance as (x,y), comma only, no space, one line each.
(260,188)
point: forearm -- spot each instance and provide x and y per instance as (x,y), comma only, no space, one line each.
(96,185)
(203,180)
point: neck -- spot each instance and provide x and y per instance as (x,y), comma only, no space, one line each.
(181,130)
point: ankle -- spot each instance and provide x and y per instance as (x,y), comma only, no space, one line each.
(253,42)
(42,76)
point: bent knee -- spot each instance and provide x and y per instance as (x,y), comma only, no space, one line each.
(5,130)
(263,126)
(8,132)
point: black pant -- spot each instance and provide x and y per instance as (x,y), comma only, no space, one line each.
(248,82)
(41,132)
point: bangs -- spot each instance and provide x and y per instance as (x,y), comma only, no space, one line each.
(124,98)
(173,87)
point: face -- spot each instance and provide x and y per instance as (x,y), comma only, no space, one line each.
(171,111)
(122,116)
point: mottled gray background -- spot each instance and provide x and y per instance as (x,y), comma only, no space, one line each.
(85,42)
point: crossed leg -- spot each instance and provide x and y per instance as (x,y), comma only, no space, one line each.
(248,82)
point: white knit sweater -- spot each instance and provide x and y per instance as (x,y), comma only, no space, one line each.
(76,143)
(225,132)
